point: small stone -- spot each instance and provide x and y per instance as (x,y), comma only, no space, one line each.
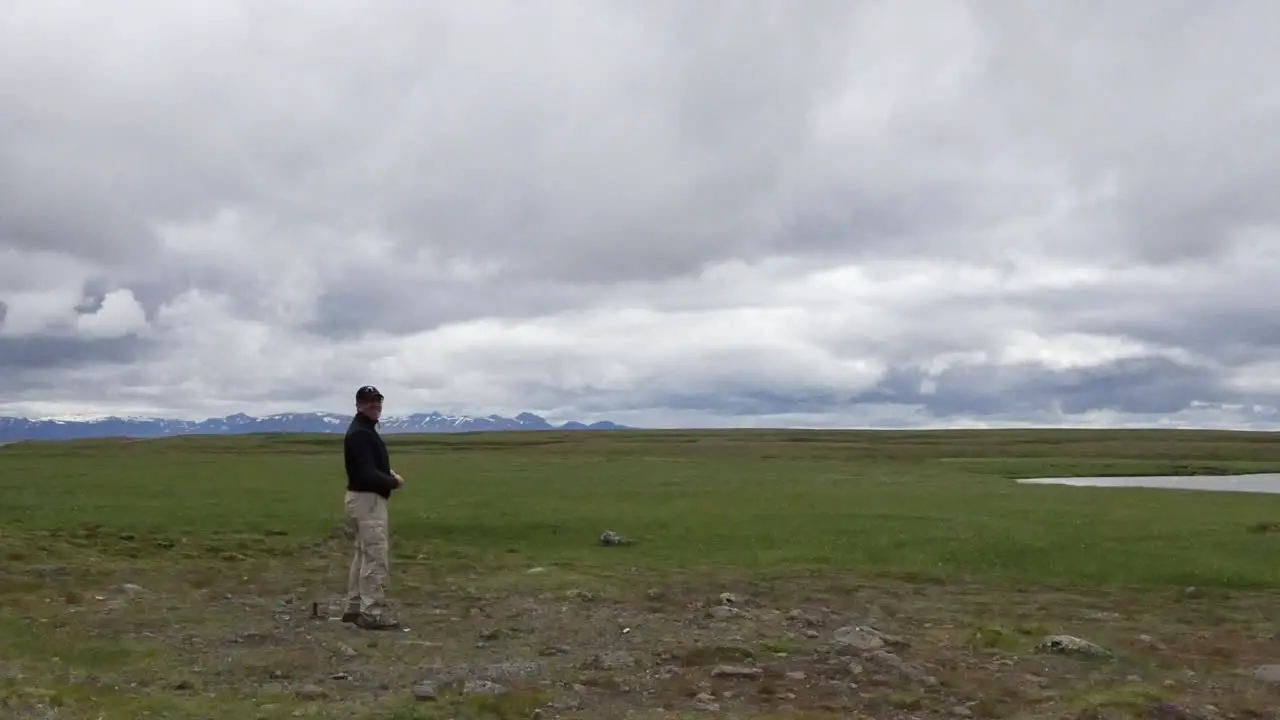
(705,702)
(482,687)
(961,711)
(1267,673)
(726,612)
(728,599)
(425,691)
(1069,645)
(609,538)
(858,638)
(311,692)
(553,650)
(796,675)
(736,671)
(613,660)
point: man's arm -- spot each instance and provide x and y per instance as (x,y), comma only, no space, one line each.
(362,451)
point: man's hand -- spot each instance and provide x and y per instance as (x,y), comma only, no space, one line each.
(399,480)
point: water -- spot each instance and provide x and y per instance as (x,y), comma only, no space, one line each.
(1255,483)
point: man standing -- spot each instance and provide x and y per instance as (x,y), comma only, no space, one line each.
(370,481)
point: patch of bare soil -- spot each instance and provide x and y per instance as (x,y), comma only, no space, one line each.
(529,647)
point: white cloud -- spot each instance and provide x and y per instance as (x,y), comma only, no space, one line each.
(819,214)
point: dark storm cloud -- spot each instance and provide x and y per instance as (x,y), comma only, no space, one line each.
(403,306)
(1136,385)
(61,353)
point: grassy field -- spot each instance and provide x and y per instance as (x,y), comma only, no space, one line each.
(176,578)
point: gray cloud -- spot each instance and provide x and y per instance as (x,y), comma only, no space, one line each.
(737,212)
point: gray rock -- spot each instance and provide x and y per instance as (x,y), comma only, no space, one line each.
(1267,673)
(857,638)
(311,692)
(705,702)
(726,612)
(1070,645)
(906,669)
(609,538)
(613,660)
(553,650)
(425,691)
(737,671)
(482,687)
(507,671)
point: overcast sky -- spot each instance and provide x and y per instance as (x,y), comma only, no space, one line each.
(660,212)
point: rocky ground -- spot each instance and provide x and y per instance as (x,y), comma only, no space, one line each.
(541,642)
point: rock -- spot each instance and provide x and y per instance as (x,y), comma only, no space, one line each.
(553,650)
(1267,673)
(580,595)
(906,669)
(727,598)
(857,638)
(482,687)
(726,612)
(961,711)
(508,671)
(311,692)
(705,702)
(613,660)
(1070,645)
(609,538)
(425,691)
(737,671)
(1151,642)
(796,675)
(801,617)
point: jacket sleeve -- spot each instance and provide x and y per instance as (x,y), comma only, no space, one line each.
(362,453)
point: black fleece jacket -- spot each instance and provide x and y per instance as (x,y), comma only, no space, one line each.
(368,465)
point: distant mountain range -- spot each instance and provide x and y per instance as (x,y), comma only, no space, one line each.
(13,429)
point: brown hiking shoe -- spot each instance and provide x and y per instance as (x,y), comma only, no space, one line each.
(365,621)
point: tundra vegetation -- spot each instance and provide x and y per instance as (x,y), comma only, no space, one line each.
(766,574)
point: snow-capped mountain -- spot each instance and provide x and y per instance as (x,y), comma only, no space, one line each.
(13,429)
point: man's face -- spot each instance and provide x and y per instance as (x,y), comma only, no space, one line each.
(371,408)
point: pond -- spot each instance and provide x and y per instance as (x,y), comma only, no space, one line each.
(1254,483)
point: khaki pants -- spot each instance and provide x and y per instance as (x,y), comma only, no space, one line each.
(367,580)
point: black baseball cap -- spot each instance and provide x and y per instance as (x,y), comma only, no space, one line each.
(367,393)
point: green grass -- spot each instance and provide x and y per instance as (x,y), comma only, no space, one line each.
(926,531)
(909,504)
